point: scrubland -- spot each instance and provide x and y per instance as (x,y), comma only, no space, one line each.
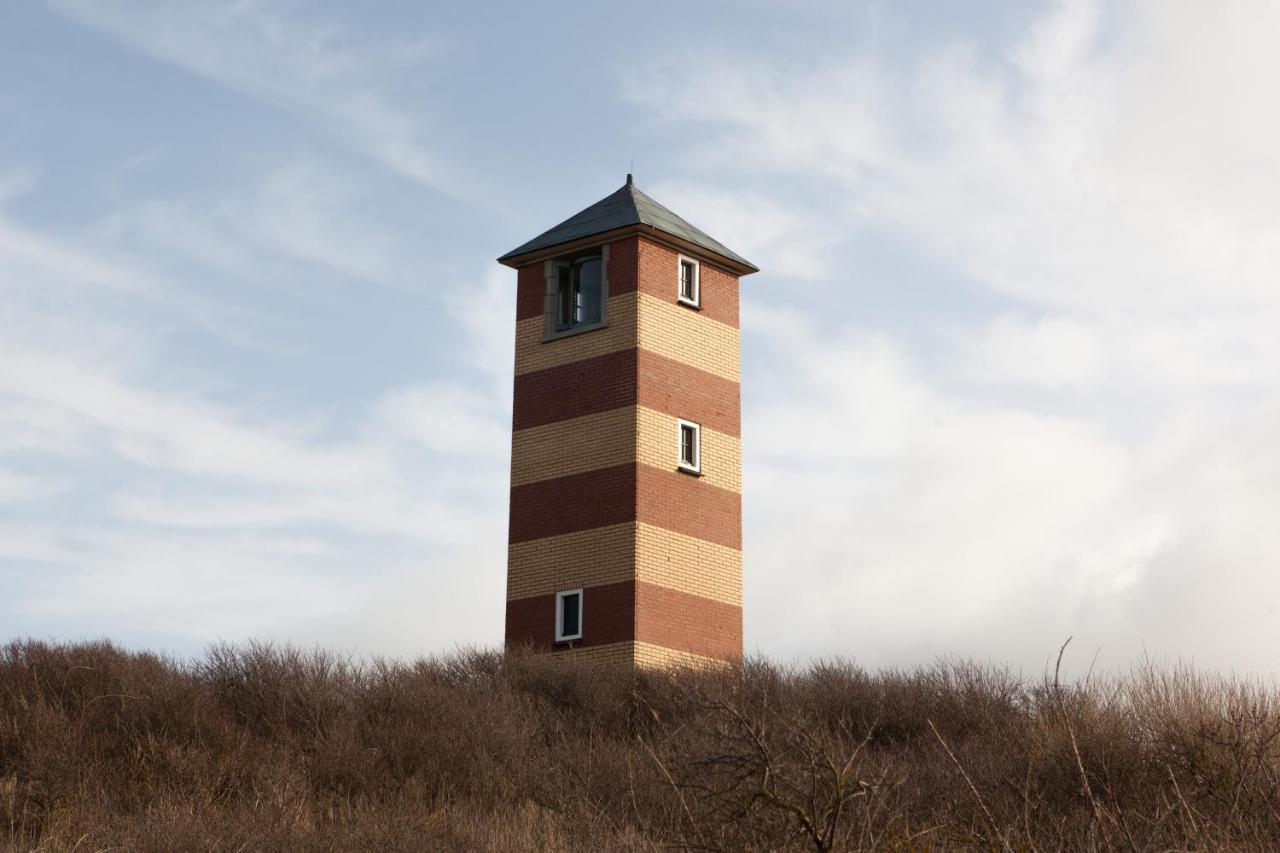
(274,748)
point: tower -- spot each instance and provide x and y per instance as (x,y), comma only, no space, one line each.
(625,538)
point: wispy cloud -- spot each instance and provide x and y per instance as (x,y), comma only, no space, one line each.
(1047,460)
(280,56)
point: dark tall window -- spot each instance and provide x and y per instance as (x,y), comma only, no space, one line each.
(578,293)
(569,615)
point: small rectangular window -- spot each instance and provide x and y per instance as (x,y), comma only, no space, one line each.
(569,615)
(690,447)
(688,285)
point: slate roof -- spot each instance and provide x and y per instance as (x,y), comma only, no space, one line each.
(625,207)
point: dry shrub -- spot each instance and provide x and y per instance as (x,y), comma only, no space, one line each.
(267,747)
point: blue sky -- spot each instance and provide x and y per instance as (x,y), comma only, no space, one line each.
(1010,371)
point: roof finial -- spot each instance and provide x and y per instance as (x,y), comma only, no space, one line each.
(630,180)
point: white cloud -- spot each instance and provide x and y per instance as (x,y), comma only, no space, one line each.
(1051,351)
(1059,455)
(897,520)
(275,54)
(446,417)
(16,487)
(210,513)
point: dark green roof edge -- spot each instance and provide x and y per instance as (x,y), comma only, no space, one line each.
(626,207)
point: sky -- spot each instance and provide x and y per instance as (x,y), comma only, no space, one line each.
(1011,369)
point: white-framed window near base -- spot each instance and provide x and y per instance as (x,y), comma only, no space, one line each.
(688,286)
(690,446)
(568,615)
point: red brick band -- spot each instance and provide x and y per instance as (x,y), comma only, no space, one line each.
(572,503)
(572,390)
(686,504)
(626,378)
(687,623)
(531,292)
(668,499)
(608,616)
(633,610)
(675,388)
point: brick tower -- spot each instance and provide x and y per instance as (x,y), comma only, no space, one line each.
(626,464)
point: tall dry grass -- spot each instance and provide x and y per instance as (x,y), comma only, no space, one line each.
(271,748)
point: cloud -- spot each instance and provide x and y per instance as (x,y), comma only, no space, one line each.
(172,508)
(16,487)
(895,520)
(1052,451)
(1051,351)
(277,55)
(302,211)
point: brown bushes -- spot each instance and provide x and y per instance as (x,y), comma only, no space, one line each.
(268,748)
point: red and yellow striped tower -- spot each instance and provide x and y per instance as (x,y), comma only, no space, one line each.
(626,459)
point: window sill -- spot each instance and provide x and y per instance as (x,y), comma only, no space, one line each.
(692,472)
(696,306)
(568,643)
(576,330)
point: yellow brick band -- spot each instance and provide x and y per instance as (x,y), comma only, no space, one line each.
(585,558)
(648,655)
(623,552)
(580,444)
(533,353)
(615,437)
(659,326)
(643,655)
(657,444)
(688,564)
(688,336)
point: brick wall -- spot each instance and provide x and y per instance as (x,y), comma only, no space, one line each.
(597,501)
(601,440)
(718,296)
(633,610)
(632,550)
(533,353)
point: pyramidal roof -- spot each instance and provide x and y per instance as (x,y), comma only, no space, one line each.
(626,208)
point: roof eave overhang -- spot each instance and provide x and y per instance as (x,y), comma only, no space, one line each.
(733,265)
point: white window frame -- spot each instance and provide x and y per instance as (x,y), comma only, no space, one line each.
(696,301)
(696,467)
(561,636)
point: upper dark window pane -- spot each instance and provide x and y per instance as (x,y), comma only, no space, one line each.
(564,303)
(588,280)
(579,294)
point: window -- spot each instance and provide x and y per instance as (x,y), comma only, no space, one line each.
(688,289)
(577,299)
(569,615)
(690,447)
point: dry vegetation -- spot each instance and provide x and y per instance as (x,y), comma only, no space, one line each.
(263,748)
